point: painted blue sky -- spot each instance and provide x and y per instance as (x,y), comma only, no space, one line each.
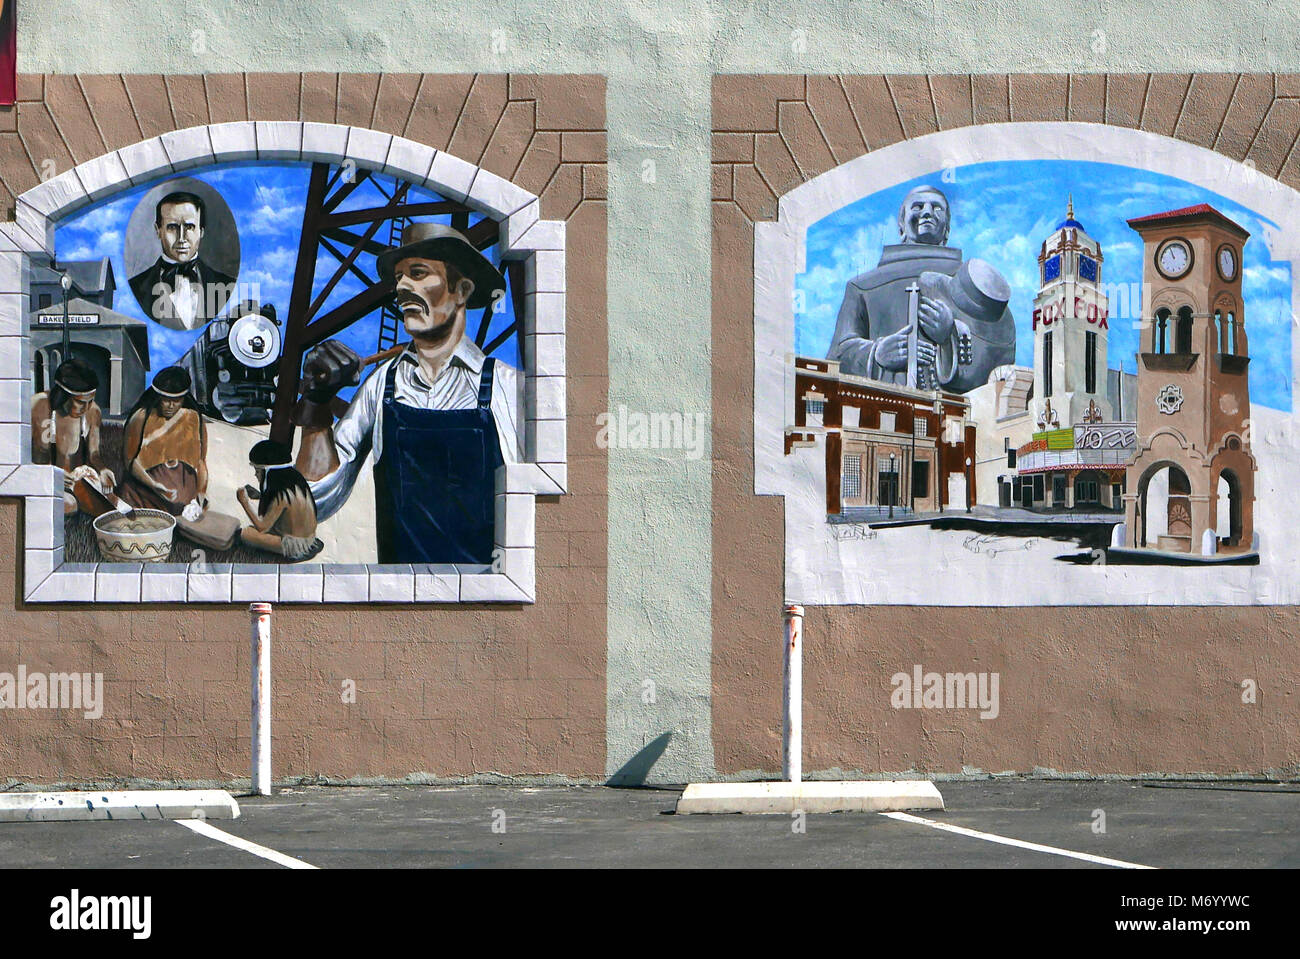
(1002,212)
(267,201)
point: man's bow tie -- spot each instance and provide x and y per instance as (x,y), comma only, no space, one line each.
(189,270)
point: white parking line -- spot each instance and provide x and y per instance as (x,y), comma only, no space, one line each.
(1019,843)
(212,832)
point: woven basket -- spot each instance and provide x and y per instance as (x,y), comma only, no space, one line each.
(144,536)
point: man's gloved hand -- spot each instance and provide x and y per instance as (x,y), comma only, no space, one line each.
(329,367)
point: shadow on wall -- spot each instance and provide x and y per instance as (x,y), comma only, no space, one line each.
(635,770)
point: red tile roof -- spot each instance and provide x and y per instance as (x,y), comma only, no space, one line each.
(1186,211)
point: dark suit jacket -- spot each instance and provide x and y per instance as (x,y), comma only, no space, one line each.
(144,285)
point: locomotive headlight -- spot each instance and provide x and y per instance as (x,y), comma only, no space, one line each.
(254,341)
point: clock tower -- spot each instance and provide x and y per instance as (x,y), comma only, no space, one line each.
(1193,389)
(1071,328)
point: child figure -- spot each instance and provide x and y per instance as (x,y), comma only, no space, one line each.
(285,519)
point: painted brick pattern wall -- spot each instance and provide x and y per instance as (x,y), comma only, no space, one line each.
(1095,689)
(445,691)
(772,133)
(547,134)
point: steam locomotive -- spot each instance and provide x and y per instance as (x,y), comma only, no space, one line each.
(233,365)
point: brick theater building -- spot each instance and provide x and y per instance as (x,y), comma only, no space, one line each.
(889,449)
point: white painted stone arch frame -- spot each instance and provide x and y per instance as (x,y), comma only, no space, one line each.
(779,256)
(523,236)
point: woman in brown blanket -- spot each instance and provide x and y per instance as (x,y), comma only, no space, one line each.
(166,447)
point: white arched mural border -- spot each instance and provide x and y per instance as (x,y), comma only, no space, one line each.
(524,235)
(779,256)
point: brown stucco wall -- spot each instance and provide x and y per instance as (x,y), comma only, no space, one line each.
(1095,689)
(446,691)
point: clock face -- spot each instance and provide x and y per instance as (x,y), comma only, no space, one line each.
(1227,263)
(1174,258)
(1088,268)
(1052,268)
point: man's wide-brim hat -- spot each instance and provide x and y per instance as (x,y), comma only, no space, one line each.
(434,241)
(977,289)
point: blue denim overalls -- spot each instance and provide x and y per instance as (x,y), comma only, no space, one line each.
(435,480)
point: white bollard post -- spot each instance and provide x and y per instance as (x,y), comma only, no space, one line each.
(260,614)
(792,738)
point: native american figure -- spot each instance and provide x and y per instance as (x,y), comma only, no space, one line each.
(166,449)
(284,517)
(65,430)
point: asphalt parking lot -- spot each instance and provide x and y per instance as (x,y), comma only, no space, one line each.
(1154,824)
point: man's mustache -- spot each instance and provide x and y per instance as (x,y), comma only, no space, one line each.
(406,298)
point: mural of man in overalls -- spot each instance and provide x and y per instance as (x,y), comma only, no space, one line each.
(438,418)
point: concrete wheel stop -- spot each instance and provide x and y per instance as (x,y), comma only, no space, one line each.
(809,797)
(128,805)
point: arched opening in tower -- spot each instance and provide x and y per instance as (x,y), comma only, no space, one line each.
(1183,331)
(1228,513)
(1165,505)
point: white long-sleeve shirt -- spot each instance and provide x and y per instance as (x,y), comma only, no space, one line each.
(359,431)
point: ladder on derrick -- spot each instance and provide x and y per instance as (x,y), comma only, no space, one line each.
(390,320)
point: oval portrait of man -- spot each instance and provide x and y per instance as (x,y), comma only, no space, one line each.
(182,253)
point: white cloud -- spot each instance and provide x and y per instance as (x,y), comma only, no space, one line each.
(111,216)
(273,213)
(1264,274)
(264,286)
(109,243)
(278,259)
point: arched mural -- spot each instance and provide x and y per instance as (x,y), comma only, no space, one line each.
(261,347)
(968,346)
